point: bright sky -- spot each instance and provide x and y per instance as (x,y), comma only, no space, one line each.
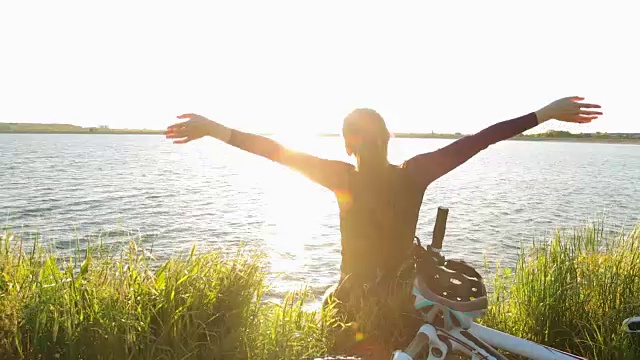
(446,66)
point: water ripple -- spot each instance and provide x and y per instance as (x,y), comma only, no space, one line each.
(77,189)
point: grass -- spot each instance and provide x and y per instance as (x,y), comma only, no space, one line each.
(571,293)
(106,306)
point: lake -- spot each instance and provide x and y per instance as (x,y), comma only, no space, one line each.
(78,188)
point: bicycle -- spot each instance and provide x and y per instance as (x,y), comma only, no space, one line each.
(450,294)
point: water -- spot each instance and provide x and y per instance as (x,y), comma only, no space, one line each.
(70,187)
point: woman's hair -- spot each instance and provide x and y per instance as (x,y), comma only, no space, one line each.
(365,133)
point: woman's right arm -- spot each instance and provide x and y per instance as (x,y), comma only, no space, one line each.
(328,173)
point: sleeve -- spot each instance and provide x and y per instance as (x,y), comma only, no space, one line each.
(428,167)
(331,174)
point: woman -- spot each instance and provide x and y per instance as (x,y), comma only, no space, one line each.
(379,202)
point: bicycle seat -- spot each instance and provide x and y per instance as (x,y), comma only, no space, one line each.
(453,284)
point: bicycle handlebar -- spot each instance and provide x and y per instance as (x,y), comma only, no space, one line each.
(439,228)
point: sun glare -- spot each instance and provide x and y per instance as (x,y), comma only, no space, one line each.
(295,139)
(296,211)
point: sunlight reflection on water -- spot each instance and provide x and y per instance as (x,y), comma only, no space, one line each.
(214,196)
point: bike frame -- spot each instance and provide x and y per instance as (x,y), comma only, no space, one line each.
(469,338)
(519,346)
(478,342)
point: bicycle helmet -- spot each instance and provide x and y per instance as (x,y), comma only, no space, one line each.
(452,289)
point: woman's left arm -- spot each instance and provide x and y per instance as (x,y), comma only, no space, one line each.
(428,167)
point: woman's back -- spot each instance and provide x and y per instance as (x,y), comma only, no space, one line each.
(378,218)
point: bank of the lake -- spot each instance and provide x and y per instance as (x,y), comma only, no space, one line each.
(561,136)
(571,292)
(581,140)
(594,140)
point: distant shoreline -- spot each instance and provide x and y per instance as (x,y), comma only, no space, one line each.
(114,132)
(102,131)
(581,140)
(518,138)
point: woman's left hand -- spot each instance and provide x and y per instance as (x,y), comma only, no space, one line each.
(569,109)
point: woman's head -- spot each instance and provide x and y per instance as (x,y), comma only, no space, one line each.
(365,135)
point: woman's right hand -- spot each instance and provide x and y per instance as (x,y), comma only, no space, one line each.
(569,110)
(196,127)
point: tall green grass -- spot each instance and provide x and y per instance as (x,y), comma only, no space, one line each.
(115,306)
(571,292)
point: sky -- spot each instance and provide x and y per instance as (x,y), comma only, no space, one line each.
(301,66)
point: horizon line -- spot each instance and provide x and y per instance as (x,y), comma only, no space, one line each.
(105,128)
